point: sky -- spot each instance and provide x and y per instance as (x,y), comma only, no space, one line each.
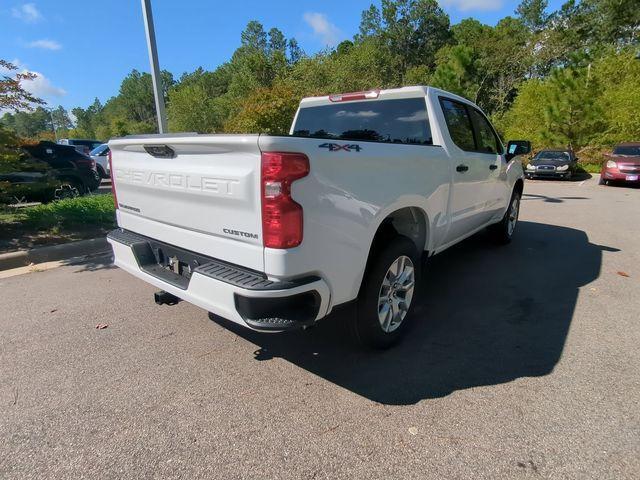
(82,49)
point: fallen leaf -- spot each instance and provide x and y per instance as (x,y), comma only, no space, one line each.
(624,274)
(413,430)
(101,326)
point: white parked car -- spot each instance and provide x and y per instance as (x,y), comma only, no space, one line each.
(276,232)
(101,156)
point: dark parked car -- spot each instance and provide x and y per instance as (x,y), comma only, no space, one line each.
(74,168)
(46,171)
(552,163)
(623,165)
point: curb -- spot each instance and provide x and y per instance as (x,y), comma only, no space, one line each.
(23,258)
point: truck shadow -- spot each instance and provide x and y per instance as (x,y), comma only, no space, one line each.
(486,315)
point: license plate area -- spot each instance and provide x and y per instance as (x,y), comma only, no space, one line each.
(171,264)
(632,178)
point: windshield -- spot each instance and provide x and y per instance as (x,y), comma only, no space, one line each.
(553,156)
(389,121)
(627,150)
(99,150)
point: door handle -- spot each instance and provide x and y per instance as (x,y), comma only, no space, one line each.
(493,166)
(462,168)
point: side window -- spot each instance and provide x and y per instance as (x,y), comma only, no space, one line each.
(487,140)
(459,124)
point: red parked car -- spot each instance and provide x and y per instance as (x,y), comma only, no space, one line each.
(623,165)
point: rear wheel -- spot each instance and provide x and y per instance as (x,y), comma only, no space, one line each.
(503,232)
(386,296)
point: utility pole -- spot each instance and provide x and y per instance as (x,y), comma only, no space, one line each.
(53,124)
(155,68)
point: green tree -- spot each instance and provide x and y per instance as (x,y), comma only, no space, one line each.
(61,121)
(13,96)
(136,100)
(192,108)
(277,42)
(87,120)
(560,111)
(533,14)
(617,76)
(28,124)
(411,31)
(254,37)
(295,52)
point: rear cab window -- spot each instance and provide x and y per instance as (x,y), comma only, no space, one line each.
(401,121)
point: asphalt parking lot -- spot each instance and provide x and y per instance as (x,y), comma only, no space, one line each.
(523,362)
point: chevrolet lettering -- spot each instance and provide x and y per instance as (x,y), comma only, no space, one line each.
(212,185)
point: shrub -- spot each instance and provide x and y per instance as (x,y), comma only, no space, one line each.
(93,210)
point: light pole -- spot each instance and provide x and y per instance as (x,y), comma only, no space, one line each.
(53,124)
(155,69)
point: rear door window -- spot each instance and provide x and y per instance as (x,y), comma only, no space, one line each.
(403,121)
(458,122)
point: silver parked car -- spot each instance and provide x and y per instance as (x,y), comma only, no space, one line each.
(81,145)
(101,156)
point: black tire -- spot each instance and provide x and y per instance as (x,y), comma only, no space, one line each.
(502,232)
(101,173)
(80,186)
(367,326)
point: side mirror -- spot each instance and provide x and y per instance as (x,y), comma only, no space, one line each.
(517,147)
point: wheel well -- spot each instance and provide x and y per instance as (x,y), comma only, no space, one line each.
(410,222)
(519,186)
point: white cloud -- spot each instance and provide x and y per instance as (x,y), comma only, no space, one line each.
(328,33)
(415,117)
(40,86)
(27,12)
(468,5)
(45,44)
(359,114)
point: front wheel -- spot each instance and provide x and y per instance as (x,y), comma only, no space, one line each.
(387,295)
(503,232)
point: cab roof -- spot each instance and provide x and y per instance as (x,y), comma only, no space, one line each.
(376,94)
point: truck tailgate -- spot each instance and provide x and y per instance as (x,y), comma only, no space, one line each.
(197,192)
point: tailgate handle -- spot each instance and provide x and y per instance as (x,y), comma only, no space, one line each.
(160,151)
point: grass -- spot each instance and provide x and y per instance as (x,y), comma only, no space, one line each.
(95,210)
(56,222)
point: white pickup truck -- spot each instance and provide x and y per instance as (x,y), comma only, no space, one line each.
(275,232)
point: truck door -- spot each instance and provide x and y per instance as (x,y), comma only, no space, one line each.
(490,150)
(472,177)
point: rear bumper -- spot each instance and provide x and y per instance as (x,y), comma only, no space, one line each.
(550,174)
(618,176)
(243,296)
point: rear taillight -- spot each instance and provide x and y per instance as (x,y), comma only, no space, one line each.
(281,215)
(113,181)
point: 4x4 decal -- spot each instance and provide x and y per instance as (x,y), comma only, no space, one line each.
(335,147)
